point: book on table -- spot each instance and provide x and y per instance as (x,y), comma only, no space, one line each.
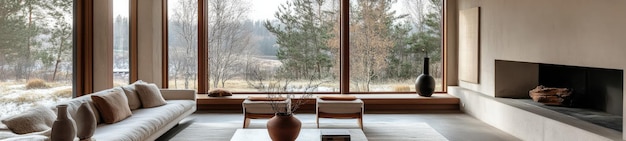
(335,135)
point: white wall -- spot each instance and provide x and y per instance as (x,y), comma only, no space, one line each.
(569,32)
(102,44)
(149,41)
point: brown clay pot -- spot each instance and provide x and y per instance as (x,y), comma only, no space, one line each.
(283,127)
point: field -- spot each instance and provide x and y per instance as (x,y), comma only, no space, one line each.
(240,85)
(16,98)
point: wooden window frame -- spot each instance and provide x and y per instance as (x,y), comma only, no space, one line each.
(345,49)
(134,44)
(82,48)
(164,46)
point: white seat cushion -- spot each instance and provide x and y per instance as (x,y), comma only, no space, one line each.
(339,106)
(143,122)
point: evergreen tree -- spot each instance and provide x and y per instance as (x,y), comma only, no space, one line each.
(61,34)
(423,41)
(20,23)
(302,36)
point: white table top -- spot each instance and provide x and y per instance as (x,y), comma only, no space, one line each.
(305,135)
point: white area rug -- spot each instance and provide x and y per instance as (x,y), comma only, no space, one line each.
(374,131)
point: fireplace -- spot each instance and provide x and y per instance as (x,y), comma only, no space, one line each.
(597,92)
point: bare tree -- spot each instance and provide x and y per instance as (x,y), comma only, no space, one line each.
(370,41)
(185,51)
(229,41)
(418,9)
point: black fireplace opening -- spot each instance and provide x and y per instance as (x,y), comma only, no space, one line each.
(597,93)
(593,88)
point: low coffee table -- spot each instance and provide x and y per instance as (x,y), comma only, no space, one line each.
(305,135)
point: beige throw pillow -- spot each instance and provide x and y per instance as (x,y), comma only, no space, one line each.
(131,94)
(113,106)
(217,92)
(150,95)
(37,119)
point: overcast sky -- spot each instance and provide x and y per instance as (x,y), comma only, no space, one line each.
(264,9)
(261,9)
(120,7)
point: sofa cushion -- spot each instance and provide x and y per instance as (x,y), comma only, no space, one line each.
(73,104)
(131,94)
(113,106)
(144,122)
(37,119)
(6,137)
(150,95)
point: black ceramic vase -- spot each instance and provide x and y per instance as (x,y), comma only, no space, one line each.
(425,84)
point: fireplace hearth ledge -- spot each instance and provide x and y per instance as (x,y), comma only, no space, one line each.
(528,122)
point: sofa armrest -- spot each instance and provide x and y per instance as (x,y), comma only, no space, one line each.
(178,94)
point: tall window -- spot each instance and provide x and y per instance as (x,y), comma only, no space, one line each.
(296,45)
(388,41)
(121,42)
(182,44)
(35,54)
(255,45)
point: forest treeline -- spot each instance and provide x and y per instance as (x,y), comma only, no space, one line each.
(36,39)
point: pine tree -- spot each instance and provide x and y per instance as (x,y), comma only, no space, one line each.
(61,34)
(416,43)
(302,36)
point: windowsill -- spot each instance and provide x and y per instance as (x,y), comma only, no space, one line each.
(361,96)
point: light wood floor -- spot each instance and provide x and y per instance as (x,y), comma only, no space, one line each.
(452,125)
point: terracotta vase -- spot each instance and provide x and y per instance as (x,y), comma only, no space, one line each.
(283,127)
(63,128)
(425,84)
(85,122)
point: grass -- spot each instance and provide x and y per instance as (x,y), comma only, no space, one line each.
(67,92)
(36,84)
(15,97)
(401,88)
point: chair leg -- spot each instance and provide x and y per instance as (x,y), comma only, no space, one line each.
(246,122)
(317,121)
(317,117)
(361,122)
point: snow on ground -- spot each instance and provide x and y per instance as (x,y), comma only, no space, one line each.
(15,99)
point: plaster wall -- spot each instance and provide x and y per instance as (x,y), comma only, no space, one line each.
(150,41)
(102,44)
(567,32)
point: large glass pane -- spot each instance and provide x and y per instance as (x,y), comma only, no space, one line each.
(388,41)
(35,54)
(121,42)
(291,44)
(182,40)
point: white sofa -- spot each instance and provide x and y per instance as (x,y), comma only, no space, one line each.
(145,124)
